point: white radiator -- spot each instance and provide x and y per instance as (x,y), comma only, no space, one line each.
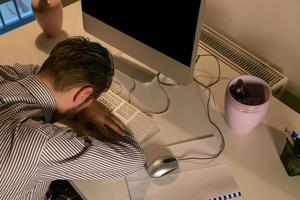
(241,60)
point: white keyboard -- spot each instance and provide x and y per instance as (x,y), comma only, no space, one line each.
(140,125)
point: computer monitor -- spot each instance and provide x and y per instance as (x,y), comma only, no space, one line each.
(162,34)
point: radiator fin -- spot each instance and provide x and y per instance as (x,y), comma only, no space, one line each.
(238,58)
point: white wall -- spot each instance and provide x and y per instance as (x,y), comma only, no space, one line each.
(267,28)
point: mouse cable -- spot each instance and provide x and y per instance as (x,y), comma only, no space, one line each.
(222,146)
(148,112)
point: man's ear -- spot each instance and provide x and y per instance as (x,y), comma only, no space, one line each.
(82,94)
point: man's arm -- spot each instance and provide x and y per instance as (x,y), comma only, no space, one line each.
(68,157)
(17,71)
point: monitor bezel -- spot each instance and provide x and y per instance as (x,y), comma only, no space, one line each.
(147,55)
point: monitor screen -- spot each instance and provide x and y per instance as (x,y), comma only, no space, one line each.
(161,34)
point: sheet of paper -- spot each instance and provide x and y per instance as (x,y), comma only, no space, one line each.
(195,179)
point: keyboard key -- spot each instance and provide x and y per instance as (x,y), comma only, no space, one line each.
(141,126)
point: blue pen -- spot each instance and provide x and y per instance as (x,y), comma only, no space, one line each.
(294,136)
(296,140)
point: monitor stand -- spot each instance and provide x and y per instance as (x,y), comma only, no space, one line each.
(133,68)
(144,90)
(187,117)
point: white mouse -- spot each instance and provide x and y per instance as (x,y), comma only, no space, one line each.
(161,166)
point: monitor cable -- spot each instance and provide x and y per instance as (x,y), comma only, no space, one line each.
(207,87)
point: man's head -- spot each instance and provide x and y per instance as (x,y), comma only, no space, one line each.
(77,71)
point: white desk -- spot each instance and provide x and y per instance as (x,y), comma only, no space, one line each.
(253,159)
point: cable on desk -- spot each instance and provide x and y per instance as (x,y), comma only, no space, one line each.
(219,71)
(131,90)
(222,146)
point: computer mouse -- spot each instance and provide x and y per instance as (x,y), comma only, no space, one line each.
(161,166)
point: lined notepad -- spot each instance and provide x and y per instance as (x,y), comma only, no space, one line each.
(194,180)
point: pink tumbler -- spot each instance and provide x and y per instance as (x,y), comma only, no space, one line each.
(246,101)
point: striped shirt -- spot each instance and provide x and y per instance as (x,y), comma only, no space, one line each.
(35,152)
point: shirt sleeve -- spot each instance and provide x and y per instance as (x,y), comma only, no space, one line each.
(69,157)
(17,71)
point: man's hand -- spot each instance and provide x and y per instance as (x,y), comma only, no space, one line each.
(98,115)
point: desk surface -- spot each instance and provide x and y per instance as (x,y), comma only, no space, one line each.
(253,159)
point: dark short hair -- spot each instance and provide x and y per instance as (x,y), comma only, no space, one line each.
(77,61)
